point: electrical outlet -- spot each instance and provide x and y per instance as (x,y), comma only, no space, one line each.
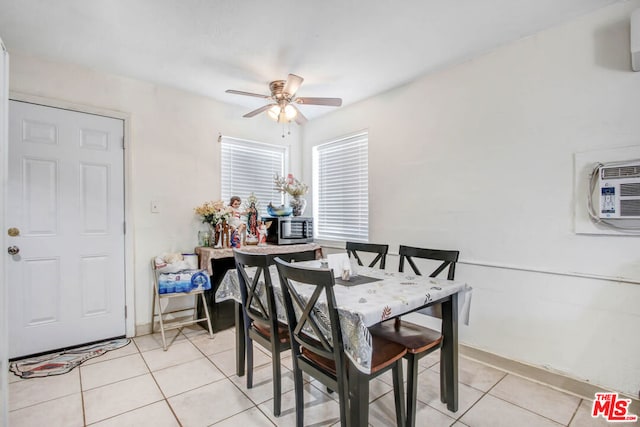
(155,206)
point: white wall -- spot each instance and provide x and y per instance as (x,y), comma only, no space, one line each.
(176,157)
(480,158)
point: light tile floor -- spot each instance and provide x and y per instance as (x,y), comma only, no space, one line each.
(194,384)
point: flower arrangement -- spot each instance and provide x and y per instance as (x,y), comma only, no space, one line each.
(214,213)
(290,185)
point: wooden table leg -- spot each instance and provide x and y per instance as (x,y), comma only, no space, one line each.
(450,352)
(240,341)
(358,410)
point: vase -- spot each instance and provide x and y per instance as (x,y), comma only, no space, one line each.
(204,238)
(298,204)
(216,236)
(225,230)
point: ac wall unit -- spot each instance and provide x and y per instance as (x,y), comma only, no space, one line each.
(619,185)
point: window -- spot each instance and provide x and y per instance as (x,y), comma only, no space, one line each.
(341,183)
(249,167)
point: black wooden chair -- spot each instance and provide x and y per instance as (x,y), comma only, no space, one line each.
(322,355)
(418,340)
(260,319)
(381,250)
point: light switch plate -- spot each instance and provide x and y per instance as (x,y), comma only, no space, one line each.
(155,206)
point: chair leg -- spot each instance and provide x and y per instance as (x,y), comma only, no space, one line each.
(249,361)
(443,384)
(153,312)
(277,379)
(164,339)
(358,395)
(241,340)
(206,312)
(298,390)
(412,388)
(343,401)
(398,393)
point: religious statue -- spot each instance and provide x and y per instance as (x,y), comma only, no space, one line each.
(235,222)
(252,219)
(262,232)
(235,239)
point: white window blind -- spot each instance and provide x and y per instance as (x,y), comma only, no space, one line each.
(249,167)
(341,183)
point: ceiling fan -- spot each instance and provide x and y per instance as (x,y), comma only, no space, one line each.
(283,109)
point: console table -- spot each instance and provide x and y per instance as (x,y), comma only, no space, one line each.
(218,260)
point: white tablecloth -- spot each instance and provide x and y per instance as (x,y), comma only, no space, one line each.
(364,305)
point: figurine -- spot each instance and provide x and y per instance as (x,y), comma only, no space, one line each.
(235,222)
(262,232)
(252,219)
(235,239)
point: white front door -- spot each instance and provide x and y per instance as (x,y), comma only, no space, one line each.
(66,200)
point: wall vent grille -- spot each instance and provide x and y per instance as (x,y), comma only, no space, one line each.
(630,208)
(621,172)
(630,189)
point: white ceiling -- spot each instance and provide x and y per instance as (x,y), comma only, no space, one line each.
(343,48)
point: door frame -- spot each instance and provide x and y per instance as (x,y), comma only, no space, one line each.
(4,315)
(129,284)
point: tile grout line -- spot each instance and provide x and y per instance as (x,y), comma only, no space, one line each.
(573,416)
(84,412)
(484,394)
(529,410)
(166,400)
(115,382)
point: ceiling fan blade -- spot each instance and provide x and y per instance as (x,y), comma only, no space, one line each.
(292,85)
(332,102)
(259,110)
(239,92)
(300,118)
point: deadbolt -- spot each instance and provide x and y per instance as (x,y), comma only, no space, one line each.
(13,250)
(13,232)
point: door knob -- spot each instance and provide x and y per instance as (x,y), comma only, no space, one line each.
(13,250)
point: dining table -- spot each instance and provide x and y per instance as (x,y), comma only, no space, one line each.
(368,297)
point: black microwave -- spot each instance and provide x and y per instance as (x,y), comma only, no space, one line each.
(289,230)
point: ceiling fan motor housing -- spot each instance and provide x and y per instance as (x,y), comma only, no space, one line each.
(276,88)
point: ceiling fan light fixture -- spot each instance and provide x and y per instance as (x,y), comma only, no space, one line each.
(290,112)
(274,113)
(282,114)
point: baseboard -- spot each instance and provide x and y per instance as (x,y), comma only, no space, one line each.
(552,379)
(143,329)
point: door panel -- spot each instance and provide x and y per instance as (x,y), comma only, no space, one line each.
(66,195)
(41,287)
(40,196)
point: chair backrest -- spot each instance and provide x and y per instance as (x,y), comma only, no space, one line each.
(309,327)
(296,256)
(381,250)
(251,289)
(448,258)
